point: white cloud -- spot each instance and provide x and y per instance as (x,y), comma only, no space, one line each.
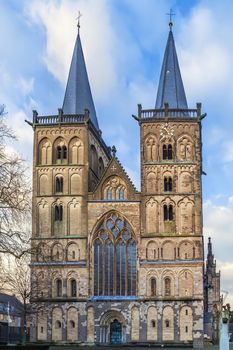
(218,225)
(25,85)
(205,56)
(100,45)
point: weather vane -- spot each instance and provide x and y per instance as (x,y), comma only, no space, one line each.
(170,14)
(78,18)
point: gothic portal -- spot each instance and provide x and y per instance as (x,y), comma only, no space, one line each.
(112,264)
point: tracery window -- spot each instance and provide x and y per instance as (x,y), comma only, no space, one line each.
(114,257)
(114,189)
(59,184)
(167,184)
(167,212)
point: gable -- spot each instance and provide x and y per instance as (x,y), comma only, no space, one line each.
(115,184)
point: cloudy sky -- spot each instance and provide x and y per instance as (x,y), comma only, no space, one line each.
(123,43)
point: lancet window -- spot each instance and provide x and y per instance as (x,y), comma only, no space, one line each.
(59,184)
(58,287)
(167,152)
(61,152)
(153,286)
(58,213)
(167,212)
(167,184)
(114,253)
(73,288)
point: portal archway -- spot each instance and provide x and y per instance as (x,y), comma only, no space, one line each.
(112,327)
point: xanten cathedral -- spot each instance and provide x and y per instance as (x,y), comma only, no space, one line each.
(115,265)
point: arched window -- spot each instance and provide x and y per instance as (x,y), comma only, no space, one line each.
(58,287)
(59,184)
(114,189)
(58,152)
(73,288)
(168,184)
(61,152)
(167,212)
(58,212)
(64,152)
(169,152)
(164,152)
(167,323)
(167,285)
(153,286)
(114,257)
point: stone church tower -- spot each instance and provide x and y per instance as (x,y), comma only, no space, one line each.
(112,264)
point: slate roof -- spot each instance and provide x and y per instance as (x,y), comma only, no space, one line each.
(78,92)
(171,88)
(15,305)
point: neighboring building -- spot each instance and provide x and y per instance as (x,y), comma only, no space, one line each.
(10,319)
(212,299)
(114,264)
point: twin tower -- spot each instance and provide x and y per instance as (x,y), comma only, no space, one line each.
(112,264)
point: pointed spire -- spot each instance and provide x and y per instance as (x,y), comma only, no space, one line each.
(171,88)
(78,95)
(210,256)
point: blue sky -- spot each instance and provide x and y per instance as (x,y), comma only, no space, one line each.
(123,43)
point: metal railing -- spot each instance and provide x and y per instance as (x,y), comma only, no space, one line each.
(60,118)
(167,112)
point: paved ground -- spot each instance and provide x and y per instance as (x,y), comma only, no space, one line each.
(104,348)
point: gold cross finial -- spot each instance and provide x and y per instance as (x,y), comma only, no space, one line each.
(78,18)
(170,14)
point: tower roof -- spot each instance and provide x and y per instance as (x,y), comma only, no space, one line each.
(78,92)
(171,88)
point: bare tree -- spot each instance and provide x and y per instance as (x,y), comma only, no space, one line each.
(14,196)
(17,279)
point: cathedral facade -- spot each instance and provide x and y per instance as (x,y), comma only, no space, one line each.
(112,264)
